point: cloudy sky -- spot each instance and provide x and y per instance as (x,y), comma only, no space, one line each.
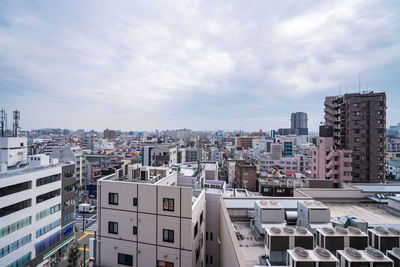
(143,65)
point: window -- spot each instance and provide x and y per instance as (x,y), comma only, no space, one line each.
(211,236)
(164,264)
(113,227)
(356,122)
(380,112)
(8,190)
(356,131)
(47,196)
(356,139)
(47,228)
(356,113)
(207,233)
(113,198)
(380,121)
(196,229)
(47,180)
(201,218)
(15,207)
(68,217)
(356,105)
(356,148)
(168,235)
(15,245)
(135,201)
(125,259)
(168,204)
(134,230)
(15,226)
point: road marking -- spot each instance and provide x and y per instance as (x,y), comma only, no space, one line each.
(83,248)
(82,237)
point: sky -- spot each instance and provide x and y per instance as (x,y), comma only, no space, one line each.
(203,65)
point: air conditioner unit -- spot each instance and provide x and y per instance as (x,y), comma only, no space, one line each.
(384,239)
(279,240)
(299,257)
(350,257)
(267,214)
(394,255)
(313,215)
(339,238)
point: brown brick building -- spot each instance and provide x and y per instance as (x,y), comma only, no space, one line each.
(246,175)
(359,124)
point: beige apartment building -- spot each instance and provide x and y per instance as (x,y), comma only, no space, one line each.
(145,219)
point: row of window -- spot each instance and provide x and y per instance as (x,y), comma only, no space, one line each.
(168,235)
(15,188)
(68,217)
(21,261)
(44,213)
(48,242)
(168,203)
(126,259)
(15,207)
(48,180)
(47,196)
(15,226)
(15,245)
(47,228)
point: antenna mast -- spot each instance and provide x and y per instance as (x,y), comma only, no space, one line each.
(359,83)
(2,122)
(16,117)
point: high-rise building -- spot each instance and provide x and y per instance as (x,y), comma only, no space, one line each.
(359,124)
(298,122)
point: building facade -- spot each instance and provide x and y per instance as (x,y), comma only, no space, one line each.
(359,124)
(298,121)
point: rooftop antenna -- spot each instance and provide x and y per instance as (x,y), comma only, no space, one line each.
(2,122)
(359,83)
(16,117)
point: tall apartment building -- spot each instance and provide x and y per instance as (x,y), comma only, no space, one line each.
(36,208)
(145,219)
(329,162)
(244,142)
(359,124)
(298,121)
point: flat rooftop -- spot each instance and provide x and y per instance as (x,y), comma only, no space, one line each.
(250,248)
(370,212)
(377,188)
(29,169)
(289,203)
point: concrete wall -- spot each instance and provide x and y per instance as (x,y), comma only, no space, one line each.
(230,253)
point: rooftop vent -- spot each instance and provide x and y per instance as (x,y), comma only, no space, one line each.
(396,250)
(288,230)
(301,229)
(275,230)
(353,252)
(328,230)
(301,252)
(341,230)
(354,230)
(374,252)
(382,230)
(394,231)
(323,252)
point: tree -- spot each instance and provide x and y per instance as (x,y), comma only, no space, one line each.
(73,255)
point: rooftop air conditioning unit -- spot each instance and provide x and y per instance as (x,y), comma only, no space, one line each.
(357,238)
(313,215)
(384,239)
(394,255)
(350,257)
(267,214)
(279,240)
(299,257)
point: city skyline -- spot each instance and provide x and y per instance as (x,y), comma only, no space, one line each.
(200,66)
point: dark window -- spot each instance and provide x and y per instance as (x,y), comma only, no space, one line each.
(47,196)
(135,230)
(113,227)
(135,201)
(168,204)
(211,259)
(113,198)
(125,259)
(15,188)
(168,235)
(47,180)
(206,235)
(164,264)
(15,207)
(201,218)
(211,236)
(196,229)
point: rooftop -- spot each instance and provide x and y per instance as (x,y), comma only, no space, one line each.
(372,213)
(250,248)
(377,188)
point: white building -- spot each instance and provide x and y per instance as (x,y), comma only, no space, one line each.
(145,219)
(36,209)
